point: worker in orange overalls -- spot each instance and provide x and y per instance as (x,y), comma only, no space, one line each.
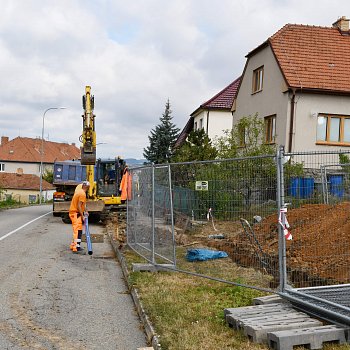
(77,211)
(125,185)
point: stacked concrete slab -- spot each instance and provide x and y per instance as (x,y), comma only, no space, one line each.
(313,337)
(275,322)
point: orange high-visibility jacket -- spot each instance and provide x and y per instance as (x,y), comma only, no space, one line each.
(79,196)
(125,185)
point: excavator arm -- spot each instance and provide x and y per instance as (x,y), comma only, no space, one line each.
(88,140)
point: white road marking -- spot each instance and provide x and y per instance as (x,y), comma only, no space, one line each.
(19,228)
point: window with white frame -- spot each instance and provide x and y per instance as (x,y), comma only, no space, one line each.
(195,125)
(2,167)
(333,129)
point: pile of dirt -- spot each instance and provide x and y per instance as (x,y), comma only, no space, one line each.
(116,223)
(319,252)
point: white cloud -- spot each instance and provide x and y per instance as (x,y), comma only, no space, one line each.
(135,55)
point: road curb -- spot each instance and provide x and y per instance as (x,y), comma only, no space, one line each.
(151,335)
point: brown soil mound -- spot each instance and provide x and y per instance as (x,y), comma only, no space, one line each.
(318,254)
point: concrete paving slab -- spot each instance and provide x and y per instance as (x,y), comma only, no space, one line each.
(239,322)
(313,337)
(258,332)
(269,299)
(256,308)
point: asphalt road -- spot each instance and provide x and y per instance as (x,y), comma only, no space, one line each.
(54,299)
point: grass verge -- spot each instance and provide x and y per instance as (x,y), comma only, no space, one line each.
(187,312)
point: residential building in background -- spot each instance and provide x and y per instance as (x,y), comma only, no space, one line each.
(24,188)
(20,161)
(214,115)
(298,80)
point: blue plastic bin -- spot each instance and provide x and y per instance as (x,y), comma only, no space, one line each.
(301,187)
(336,187)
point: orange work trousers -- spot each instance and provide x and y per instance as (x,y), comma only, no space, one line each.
(77,225)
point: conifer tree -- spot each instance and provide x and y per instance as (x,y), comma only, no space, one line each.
(162,139)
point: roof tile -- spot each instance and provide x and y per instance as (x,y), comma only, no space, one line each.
(224,99)
(23,182)
(313,57)
(25,149)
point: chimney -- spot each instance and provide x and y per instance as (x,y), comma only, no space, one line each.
(342,24)
(4,139)
(73,144)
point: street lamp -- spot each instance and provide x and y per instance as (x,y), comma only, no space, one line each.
(42,151)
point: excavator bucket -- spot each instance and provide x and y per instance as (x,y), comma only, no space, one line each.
(88,156)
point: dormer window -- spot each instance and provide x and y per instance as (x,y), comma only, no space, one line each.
(2,167)
(258,76)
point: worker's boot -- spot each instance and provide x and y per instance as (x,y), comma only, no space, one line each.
(71,246)
(79,248)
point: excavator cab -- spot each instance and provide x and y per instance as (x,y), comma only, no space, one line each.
(109,173)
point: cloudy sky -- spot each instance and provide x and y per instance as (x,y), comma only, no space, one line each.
(134,55)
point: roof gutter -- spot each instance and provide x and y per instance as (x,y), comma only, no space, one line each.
(291,121)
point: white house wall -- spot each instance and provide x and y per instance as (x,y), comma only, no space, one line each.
(218,122)
(24,196)
(273,99)
(308,106)
(28,168)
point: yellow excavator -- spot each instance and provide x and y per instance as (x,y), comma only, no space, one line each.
(88,151)
(104,175)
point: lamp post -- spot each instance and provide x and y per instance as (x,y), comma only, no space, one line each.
(42,151)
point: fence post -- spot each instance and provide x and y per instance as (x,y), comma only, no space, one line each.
(281,204)
(172,215)
(153,217)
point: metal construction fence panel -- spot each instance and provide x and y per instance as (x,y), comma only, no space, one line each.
(150,229)
(164,242)
(228,199)
(139,213)
(284,216)
(317,197)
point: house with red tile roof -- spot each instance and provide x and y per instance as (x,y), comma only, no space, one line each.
(214,115)
(21,157)
(298,80)
(23,188)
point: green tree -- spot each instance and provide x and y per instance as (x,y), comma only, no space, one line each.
(162,139)
(2,191)
(247,138)
(48,176)
(250,178)
(344,159)
(197,146)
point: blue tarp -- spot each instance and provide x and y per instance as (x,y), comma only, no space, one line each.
(204,254)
